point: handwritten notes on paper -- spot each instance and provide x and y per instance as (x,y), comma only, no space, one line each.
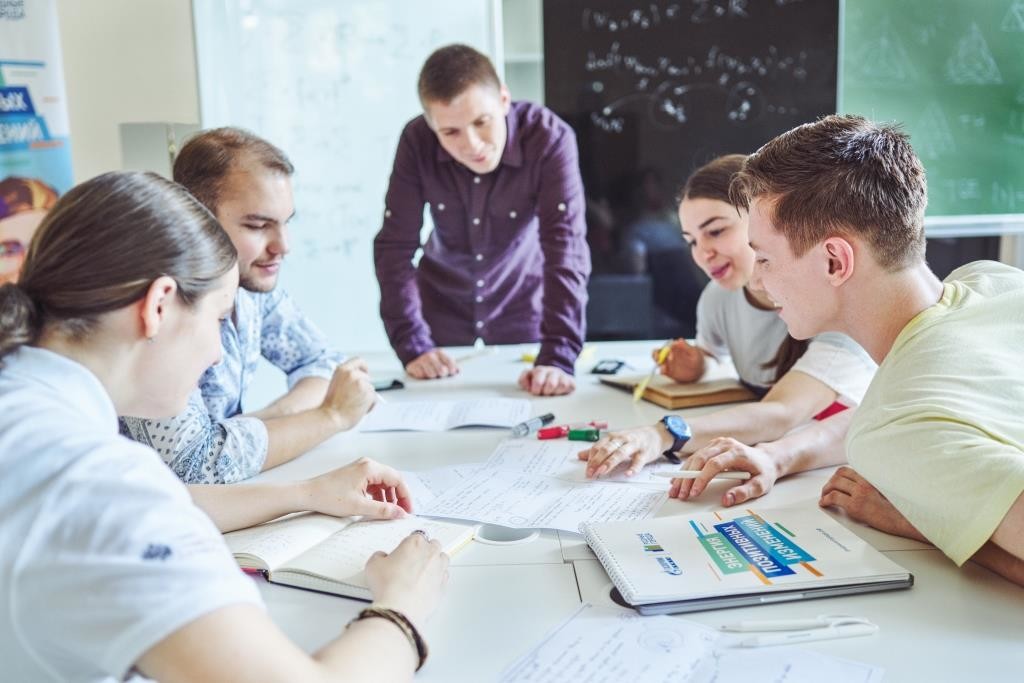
(527,483)
(515,499)
(439,416)
(427,485)
(557,458)
(598,645)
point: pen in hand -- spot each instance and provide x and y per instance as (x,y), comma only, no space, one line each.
(638,392)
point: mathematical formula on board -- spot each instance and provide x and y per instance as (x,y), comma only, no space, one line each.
(666,87)
(652,65)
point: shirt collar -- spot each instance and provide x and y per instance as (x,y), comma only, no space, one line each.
(76,384)
(513,153)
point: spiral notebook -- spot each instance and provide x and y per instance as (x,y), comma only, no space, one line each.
(734,558)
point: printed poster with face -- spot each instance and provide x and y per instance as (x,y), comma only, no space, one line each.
(35,151)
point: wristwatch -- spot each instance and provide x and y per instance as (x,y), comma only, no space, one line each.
(680,433)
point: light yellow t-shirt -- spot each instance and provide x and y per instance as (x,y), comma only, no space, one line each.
(941,429)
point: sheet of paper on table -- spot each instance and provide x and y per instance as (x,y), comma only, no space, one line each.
(516,499)
(558,458)
(439,416)
(602,645)
(427,485)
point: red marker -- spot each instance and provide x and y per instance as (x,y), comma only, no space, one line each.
(557,432)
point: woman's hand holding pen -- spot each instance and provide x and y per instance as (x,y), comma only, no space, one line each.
(365,487)
(727,454)
(684,363)
(637,447)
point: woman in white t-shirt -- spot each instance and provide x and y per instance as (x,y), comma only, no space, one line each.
(797,380)
(108,566)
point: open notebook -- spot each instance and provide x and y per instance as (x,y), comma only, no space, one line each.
(328,554)
(733,558)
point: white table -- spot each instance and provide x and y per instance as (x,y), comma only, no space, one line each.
(953,625)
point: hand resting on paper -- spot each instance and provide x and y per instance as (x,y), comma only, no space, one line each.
(724,454)
(633,448)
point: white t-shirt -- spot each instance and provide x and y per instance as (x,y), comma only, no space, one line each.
(102,552)
(729,326)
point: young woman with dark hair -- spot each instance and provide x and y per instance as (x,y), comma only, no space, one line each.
(797,380)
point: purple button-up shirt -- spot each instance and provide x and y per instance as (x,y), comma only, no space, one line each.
(507,260)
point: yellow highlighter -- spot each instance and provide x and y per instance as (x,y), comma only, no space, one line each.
(638,393)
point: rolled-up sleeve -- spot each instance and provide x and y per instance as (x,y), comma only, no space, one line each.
(561,211)
(401,308)
(201,450)
(291,342)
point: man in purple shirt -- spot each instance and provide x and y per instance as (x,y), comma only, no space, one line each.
(507,260)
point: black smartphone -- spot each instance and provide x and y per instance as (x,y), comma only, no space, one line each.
(607,367)
(386,384)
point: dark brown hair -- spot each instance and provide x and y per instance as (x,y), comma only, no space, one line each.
(450,70)
(206,159)
(712,181)
(842,175)
(101,247)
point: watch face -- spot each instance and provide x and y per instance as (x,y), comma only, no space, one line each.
(676,425)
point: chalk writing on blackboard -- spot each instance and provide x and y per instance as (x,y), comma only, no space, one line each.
(940,142)
(665,88)
(972,62)
(1013,21)
(883,59)
(1009,195)
(652,15)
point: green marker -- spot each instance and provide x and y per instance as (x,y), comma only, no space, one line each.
(584,434)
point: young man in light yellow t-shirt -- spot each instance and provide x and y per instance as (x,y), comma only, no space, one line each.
(837,225)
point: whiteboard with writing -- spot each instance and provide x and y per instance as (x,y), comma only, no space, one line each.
(332,84)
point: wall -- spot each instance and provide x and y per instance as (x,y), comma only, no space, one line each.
(124,61)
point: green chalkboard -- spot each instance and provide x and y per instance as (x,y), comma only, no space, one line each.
(952,71)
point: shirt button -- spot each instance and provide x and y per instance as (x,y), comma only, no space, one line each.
(479,257)
(512,214)
(440,207)
(476,221)
(479,324)
(479,299)
(561,206)
(387,213)
(476,180)
(479,283)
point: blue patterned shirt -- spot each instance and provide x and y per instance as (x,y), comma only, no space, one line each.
(211,442)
